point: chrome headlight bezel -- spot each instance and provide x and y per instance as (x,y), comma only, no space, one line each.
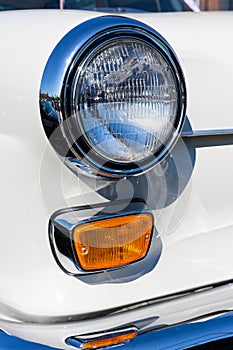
(70,56)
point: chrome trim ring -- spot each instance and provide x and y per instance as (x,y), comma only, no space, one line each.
(56,93)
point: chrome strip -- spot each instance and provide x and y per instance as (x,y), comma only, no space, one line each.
(214,132)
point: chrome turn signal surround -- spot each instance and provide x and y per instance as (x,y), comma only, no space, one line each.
(92,240)
(103,340)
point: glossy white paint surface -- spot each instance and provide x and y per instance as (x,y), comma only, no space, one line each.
(196,230)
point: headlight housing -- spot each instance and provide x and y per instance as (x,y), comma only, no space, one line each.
(120,96)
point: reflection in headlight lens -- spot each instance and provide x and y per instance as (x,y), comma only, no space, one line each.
(125,100)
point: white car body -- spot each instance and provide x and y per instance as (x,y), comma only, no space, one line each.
(38,300)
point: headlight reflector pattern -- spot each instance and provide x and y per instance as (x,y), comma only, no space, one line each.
(125,100)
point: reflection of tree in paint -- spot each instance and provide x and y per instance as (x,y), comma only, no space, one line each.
(216,5)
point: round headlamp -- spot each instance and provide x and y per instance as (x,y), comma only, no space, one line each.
(121,96)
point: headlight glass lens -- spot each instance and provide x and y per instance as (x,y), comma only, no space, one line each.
(124,100)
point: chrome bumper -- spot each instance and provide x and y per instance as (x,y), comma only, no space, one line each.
(187,336)
(175,322)
(174,338)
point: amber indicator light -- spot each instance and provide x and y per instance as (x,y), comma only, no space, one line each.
(113,242)
(109,341)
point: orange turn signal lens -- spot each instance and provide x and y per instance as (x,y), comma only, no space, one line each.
(113,242)
(109,341)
